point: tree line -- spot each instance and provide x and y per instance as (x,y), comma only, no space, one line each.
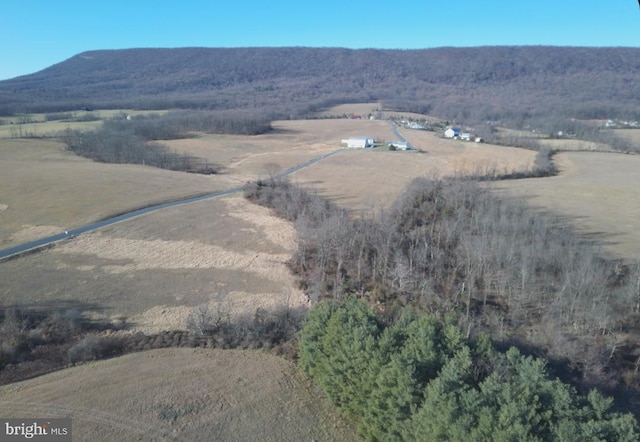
(451,247)
(35,341)
(134,140)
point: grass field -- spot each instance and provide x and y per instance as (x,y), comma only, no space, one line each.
(46,189)
(40,127)
(152,270)
(45,129)
(364,179)
(597,192)
(180,394)
(362,109)
(291,143)
(633,135)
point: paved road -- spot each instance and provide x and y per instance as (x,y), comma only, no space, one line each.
(394,127)
(33,245)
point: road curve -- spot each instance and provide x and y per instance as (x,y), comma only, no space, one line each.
(49,240)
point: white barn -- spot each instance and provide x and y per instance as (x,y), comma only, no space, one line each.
(358,142)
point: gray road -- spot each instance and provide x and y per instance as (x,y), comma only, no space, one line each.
(394,127)
(40,243)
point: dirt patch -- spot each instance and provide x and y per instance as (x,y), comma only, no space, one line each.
(180,394)
(161,254)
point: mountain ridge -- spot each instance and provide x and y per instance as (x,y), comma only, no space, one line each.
(487,82)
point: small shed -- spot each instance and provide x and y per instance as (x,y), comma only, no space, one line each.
(398,145)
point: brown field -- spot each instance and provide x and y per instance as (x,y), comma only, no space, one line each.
(597,192)
(180,394)
(632,135)
(364,109)
(43,128)
(575,145)
(292,143)
(152,270)
(46,189)
(230,254)
(365,179)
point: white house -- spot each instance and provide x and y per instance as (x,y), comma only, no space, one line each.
(452,132)
(358,142)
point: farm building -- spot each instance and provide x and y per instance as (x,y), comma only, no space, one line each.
(398,145)
(358,142)
(465,136)
(452,132)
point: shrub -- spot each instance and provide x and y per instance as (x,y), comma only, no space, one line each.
(93,347)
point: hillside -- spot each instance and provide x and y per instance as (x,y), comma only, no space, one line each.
(180,394)
(511,84)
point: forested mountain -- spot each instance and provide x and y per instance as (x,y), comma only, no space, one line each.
(512,84)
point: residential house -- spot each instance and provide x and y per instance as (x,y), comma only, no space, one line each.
(452,132)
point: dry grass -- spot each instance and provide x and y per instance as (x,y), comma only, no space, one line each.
(180,394)
(597,192)
(292,143)
(153,270)
(632,135)
(364,179)
(44,129)
(575,145)
(362,109)
(46,189)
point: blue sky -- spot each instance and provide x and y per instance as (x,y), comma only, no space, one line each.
(35,34)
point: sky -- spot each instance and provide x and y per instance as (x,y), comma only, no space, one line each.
(36,34)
